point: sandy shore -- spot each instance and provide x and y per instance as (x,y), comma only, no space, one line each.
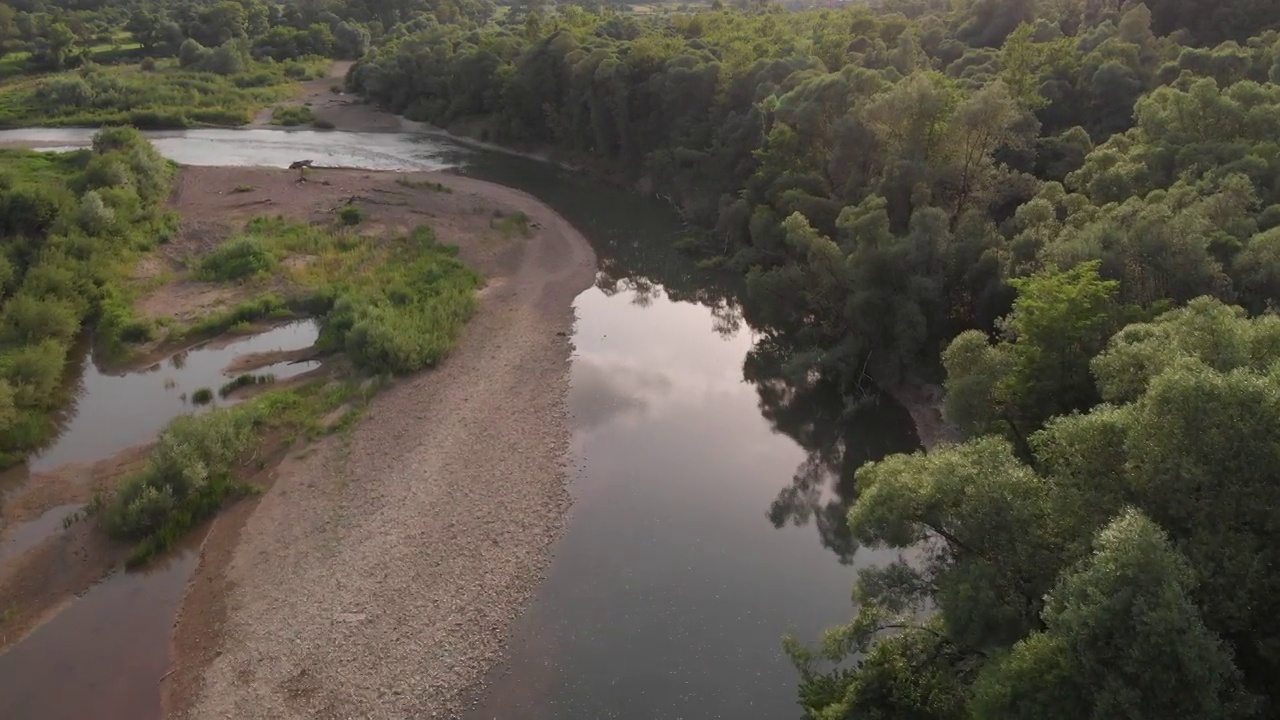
(343,110)
(380,574)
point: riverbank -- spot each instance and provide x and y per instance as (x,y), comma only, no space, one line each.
(331,107)
(380,573)
(925,402)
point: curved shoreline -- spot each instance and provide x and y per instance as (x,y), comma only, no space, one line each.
(380,575)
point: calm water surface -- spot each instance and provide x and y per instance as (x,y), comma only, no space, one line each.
(103,654)
(709,507)
(691,549)
(116,410)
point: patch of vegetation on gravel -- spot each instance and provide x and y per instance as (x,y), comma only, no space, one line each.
(202,461)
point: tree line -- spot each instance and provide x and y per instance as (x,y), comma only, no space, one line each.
(1066,211)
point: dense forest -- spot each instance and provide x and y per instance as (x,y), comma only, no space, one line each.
(1065,211)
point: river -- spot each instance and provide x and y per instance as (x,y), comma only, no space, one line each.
(708,516)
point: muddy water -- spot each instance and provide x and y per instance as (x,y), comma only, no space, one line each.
(114,411)
(103,654)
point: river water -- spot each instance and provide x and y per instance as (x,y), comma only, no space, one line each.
(708,516)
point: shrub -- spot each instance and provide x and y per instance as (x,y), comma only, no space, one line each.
(236,259)
(94,215)
(29,210)
(147,65)
(229,58)
(117,138)
(412,316)
(34,371)
(424,185)
(202,396)
(27,319)
(67,91)
(136,331)
(191,53)
(508,225)
(186,479)
(106,171)
(246,380)
(351,215)
(291,115)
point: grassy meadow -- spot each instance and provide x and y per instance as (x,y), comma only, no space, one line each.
(152,94)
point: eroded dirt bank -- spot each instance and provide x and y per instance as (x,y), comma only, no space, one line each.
(379,575)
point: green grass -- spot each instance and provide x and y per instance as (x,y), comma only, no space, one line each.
(351,215)
(393,306)
(513,224)
(243,381)
(292,115)
(424,185)
(266,307)
(167,97)
(241,258)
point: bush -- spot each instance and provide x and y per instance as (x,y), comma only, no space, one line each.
(229,58)
(509,225)
(187,478)
(94,215)
(63,263)
(34,371)
(202,396)
(29,211)
(106,171)
(27,320)
(117,138)
(412,316)
(147,65)
(67,91)
(289,116)
(351,215)
(191,53)
(236,259)
(246,380)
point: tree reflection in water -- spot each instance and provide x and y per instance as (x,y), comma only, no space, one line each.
(840,431)
(636,239)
